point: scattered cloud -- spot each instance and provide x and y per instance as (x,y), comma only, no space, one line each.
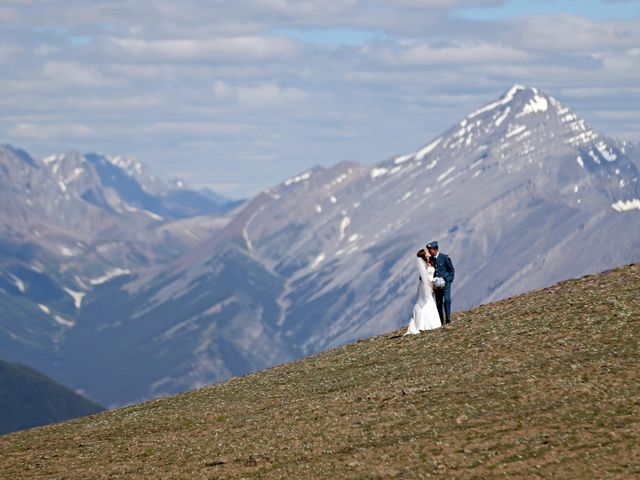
(262,95)
(574,33)
(72,73)
(32,131)
(445,4)
(461,54)
(233,90)
(218,49)
(8,52)
(269,94)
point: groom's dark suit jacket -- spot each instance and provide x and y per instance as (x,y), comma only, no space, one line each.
(444,268)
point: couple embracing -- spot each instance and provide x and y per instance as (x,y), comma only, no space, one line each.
(433,308)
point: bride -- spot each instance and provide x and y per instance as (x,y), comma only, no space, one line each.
(425,311)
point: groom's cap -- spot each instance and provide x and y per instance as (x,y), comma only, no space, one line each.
(432,245)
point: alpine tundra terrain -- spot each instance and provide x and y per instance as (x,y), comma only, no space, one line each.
(521,193)
(543,385)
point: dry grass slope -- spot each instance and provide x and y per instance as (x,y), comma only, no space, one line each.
(544,385)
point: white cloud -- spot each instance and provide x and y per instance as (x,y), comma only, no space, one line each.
(33,131)
(266,94)
(71,73)
(45,50)
(269,94)
(464,53)
(197,129)
(248,48)
(7,52)
(308,9)
(594,92)
(445,4)
(222,90)
(573,33)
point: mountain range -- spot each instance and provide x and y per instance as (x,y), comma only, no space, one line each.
(126,288)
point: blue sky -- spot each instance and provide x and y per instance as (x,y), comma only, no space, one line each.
(592,9)
(238,96)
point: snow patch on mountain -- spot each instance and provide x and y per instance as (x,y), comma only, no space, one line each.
(625,206)
(317,261)
(402,158)
(67,252)
(149,214)
(428,149)
(110,274)
(74,175)
(341,178)
(219,307)
(536,105)
(63,321)
(501,118)
(446,173)
(431,165)
(608,154)
(298,179)
(582,138)
(379,172)
(515,130)
(129,164)
(77,297)
(20,285)
(509,96)
(53,158)
(346,221)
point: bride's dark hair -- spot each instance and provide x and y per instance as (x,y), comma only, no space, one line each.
(422,253)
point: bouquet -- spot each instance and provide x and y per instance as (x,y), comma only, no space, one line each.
(438,283)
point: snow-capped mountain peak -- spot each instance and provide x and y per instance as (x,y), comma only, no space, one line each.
(129,163)
(522,122)
(507,99)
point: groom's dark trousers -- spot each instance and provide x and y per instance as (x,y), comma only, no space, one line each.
(443,302)
(444,269)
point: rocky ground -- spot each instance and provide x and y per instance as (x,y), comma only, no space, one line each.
(543,385)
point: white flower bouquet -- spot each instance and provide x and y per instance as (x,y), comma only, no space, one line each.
(439,283)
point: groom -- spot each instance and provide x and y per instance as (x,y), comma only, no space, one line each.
(444,269)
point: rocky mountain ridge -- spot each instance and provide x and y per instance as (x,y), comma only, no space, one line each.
(69,223)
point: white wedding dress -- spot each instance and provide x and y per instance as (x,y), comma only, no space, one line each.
(425,311)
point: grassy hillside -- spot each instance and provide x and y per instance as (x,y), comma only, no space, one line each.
(29,399)
(544,385)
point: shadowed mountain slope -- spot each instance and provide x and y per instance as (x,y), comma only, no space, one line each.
(544,384)
(29,399)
